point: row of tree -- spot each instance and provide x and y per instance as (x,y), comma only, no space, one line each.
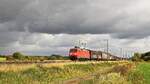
(20,56)
(141,57)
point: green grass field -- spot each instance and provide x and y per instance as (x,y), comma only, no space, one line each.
(144,68)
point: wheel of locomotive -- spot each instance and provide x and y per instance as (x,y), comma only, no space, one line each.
(74,58)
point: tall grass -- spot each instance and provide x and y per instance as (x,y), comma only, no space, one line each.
(110,78)
(75,72)
(119,74)
(48,74)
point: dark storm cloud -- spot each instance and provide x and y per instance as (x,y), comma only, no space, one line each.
(8,38)
(72,17)
(119,18)
(9,9)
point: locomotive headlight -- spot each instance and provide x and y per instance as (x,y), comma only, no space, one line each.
(72,54)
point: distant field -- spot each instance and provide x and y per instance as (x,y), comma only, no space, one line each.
(69,73)
(2,59)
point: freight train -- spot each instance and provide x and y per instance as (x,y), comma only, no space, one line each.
(81,53)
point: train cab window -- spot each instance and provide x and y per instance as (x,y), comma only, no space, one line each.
(73,50)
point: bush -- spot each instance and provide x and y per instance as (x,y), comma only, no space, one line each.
(57,57)
(137,57)
(18,55)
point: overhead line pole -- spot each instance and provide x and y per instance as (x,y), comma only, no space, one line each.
(107,46)
(121,55)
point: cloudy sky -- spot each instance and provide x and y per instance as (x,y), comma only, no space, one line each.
(45,27)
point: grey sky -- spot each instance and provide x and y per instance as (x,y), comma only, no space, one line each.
(35,24)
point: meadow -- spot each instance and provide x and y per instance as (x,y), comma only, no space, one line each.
(72,73)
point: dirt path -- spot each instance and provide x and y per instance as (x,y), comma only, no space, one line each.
(88,77)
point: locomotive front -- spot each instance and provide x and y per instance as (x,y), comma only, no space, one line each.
(73,54)
(78,53)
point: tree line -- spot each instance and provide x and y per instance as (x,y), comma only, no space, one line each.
(20,56)
(141,56)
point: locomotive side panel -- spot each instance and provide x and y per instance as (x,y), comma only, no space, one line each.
(83,53)
(79,53)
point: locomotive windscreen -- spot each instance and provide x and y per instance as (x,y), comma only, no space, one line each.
(73,50)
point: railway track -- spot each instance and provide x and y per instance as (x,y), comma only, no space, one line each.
(35,62)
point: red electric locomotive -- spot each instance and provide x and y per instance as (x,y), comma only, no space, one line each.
(76,53)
